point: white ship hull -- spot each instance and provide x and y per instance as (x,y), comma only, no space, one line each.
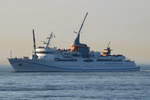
(28,65)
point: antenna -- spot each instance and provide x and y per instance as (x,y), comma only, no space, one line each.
(108,45)
(10,53)
(34,43)
(43,42)
(49,38)
(75,32)
(83,23)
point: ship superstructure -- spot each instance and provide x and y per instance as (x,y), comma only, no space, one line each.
(78,58)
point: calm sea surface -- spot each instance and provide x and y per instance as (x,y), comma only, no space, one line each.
(75,86)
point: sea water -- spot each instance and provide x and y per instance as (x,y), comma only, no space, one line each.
(75,85)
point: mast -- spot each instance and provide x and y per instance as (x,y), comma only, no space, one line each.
(77,40)
(83,23)
(108,49)
(34,43)
(49,38)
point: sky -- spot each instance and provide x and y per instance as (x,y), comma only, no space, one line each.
(126,23)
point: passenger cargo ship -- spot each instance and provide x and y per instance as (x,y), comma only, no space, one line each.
(78,58)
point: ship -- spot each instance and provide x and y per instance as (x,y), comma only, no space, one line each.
(77,58)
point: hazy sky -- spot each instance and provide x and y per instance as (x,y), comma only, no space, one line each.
(126,23)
